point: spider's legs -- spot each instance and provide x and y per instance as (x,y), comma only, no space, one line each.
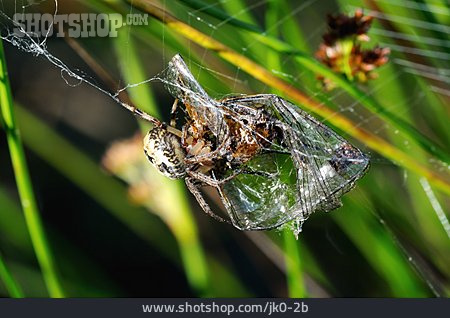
(275,151)
(258,173)
(213,182)
(201,200)
(173,113)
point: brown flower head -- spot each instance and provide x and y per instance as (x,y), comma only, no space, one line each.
(371,59)
(342,26)
(341,48)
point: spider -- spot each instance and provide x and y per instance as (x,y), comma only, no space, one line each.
(271,162)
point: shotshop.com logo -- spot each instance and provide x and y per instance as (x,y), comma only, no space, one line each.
(74,25)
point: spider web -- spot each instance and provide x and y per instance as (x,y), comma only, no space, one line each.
(350,108)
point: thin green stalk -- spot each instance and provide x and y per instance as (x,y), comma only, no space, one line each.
(294,275)
(11,285)
(294,266)
(347,46)
(24,186)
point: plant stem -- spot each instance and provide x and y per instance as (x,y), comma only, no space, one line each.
(24,185)
(11,285)
(347,46)
(295,282)
(294,275)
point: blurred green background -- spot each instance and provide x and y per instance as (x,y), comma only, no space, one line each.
(110,226)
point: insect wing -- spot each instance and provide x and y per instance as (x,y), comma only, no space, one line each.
(182,85)
(263,201)
(318,168)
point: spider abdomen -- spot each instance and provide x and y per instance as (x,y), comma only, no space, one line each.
(163,150)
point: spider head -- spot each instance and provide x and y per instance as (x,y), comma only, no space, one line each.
(163,149)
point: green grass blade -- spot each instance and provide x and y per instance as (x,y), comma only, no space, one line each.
(294,266)
(11,285)
(12,226)
(294,273)
(291,31)
(29,205)
(77,278)
(441,216)
(221,15)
